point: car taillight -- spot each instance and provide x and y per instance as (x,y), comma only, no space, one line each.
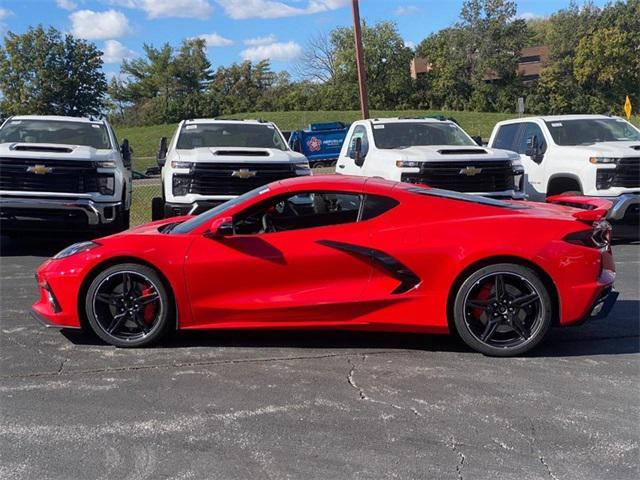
(598,237)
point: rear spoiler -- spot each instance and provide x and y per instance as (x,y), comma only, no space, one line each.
(592,208)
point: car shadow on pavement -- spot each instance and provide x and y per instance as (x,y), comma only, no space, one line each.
(617,334)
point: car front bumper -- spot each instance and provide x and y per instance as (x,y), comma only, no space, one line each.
(623,206)
(45,210)
(195,208)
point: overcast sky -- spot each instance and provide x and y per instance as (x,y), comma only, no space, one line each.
(235,30)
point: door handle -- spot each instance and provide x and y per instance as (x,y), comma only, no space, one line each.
(340,166)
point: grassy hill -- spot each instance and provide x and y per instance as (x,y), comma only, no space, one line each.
(144,140)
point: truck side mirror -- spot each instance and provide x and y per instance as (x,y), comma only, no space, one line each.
(125,151)
(162,152)
(534,149)
(356,152)
(478,140)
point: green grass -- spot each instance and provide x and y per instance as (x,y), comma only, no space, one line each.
(144,140)
(141,202)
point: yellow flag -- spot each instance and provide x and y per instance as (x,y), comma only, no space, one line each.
(627,108)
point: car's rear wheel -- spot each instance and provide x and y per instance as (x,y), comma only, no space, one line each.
(502,310)
(127,305)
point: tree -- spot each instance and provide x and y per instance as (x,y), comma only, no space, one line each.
(42,72)
(318,61)
(386,60)
(165,86)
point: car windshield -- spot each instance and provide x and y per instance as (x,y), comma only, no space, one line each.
(56,132)
(592,130)
(411,134)
(205,217)
(197,135)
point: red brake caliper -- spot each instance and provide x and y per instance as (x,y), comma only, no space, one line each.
(149,311)
(483,294)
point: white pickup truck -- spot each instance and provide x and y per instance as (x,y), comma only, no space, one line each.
(63,173)
(429,151)
(594,155)
(210,161)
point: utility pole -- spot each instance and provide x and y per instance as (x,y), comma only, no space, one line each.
(362,77)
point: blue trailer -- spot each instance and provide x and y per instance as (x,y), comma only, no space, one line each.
(320,143)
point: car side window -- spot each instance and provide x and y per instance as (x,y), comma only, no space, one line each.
(376,205)
(299,211)
(359,132)
(529,129)
(506,136)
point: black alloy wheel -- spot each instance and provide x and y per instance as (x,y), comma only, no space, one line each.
(127,305)
(502,310)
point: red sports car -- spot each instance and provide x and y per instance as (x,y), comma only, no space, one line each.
(343,252)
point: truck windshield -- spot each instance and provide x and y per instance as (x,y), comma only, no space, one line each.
(197,135)
(56,132)
(411,134)
(592,130)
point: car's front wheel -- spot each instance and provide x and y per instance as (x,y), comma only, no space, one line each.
(502,310)
(127,305)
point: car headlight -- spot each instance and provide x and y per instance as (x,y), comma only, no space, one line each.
(181,185)
(302,168)
(603,160)
(518,170)
(75,248)
(407,164)
(106,164)
(175,164)
(106,184)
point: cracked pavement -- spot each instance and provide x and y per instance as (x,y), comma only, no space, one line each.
(315,405)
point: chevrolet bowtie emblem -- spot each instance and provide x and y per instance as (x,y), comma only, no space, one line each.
(244,173)
(470,171)
(39,169)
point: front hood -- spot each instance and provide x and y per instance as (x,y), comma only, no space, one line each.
(239,154)
(53,151)
(608,149)
(454,153)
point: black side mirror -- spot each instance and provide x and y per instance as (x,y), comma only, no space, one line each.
(478,140)
(534,149)
(297,146)
(356,153)
(125,151)
(162,152)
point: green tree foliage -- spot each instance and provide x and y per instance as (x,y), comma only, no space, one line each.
(165,85)
(44,72)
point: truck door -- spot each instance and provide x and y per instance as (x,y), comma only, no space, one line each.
(534,163)
(346,162)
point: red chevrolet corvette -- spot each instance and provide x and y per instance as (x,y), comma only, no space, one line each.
(342,252)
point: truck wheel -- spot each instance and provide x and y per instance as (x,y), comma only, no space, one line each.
(157,209)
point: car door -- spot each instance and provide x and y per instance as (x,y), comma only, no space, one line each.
(534,165)
(277,269)
(346,163)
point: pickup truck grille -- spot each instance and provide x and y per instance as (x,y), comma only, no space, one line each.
(627,173)
(220,179)
(478,176)
(64,176)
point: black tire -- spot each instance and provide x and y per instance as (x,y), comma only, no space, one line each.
(129,313)
(502,310)
(157,209)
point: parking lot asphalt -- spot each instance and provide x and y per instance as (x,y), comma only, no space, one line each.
(315,405)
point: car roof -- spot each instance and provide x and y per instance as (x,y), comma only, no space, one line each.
(57,118)
(407,120)
(556,118)
(192,121)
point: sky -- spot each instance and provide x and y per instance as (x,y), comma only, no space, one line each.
(235,30)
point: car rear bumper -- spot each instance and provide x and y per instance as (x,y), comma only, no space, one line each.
(38,210)
(602,305)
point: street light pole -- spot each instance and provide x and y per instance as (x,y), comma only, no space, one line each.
(362,78)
